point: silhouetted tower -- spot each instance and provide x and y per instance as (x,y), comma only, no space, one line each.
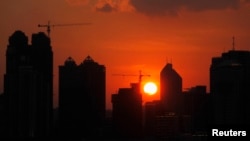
(171,88)
(127,112)
(229,85)
(28,85)
(82,97)
(69,99)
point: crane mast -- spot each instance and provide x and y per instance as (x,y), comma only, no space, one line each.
(142,75)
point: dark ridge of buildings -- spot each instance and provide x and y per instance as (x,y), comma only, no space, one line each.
(229,85)
(28,84)
(82,98)
(177,115)
(193,119)
(27,109)
(127,113)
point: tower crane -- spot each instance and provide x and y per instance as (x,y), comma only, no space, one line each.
(48,26)
(140,75)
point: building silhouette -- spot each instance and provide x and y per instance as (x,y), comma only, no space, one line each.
(81,98)
(229,85)
(127,112)
(171,89)
(3,115)
(160,124)
(28,84)
(151,111)
(196,108)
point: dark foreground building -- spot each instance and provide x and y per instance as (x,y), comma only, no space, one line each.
(229,82)
(81,99)
(196,116)
(28,83)
(127,113)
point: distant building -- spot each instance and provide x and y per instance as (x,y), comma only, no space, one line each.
(127,112)
(152,110)
(171,89)
(161,124)
(82,98)
(229,85)
(167,127)
(28,85)
(3,116)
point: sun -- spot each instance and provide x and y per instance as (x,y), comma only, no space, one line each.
(150,88)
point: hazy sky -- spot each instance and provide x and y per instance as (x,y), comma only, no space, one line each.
(131,35)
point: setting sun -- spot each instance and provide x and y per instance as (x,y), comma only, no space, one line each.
(150,88)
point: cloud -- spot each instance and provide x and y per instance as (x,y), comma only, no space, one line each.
(106,7)
(113,6)
(77,2)
(173,7)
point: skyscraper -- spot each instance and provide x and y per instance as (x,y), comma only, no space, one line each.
(229,85)
(171,89)
(28,85)
(82,97)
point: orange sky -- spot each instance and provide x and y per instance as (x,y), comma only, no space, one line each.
(131,35)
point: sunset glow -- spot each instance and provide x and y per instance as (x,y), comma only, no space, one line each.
(131,35)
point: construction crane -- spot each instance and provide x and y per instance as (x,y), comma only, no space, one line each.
(48,26)
(140,75)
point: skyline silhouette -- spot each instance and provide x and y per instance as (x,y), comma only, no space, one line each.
(27,101)
(206,43)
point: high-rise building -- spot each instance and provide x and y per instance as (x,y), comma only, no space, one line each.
(127,112)
(229,86)
(171,89)
(82,98)
(28,84)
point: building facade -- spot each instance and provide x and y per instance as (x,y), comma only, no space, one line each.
(127,112)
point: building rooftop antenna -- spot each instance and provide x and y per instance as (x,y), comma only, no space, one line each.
(167,60)
(233,43)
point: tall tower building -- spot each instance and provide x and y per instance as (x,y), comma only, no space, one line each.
(82,97)
(229,86)
(28,85)
(171,88)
